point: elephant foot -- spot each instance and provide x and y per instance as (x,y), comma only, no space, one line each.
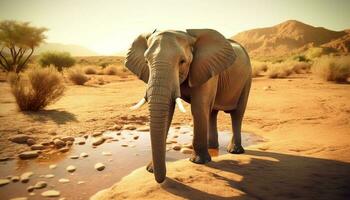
(235,149)
(149,167)
(213,145)
(200,158)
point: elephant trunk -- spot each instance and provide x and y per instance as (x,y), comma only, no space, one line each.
(160,97)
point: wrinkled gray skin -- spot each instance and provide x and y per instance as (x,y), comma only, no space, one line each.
(204,69)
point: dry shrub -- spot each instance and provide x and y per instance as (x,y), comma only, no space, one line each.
(111,70)
(90,70)
(301,67)
(258,68)
(77,76)
(100,72)
(279,70)
(36,88)
(333,68)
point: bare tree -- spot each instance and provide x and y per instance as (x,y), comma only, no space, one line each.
(17,43)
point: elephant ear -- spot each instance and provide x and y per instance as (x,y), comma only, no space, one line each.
(135,60)
(212,54)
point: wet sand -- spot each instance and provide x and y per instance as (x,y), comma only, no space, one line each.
(121,162)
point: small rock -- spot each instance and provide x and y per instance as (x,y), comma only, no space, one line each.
(97,133)
(115,139)
(37,147)
(143,128)
(136,137)
(124,145)
(98,141)
(28,154)
(99,166)
(116,127)
(46,143)
(81,182)
(4,181)
(118,133)
(40,185)
(51,193)
(74,157)
(186,151)
(69,143)
(5,159)
(52,132)
(84,155)
(68,138)
(188,146)
(49,176)
(64,180)
(81,142)
(71,168)
(52,166)
(175,136)
(30,141)
(25,177)
(86,136)
(15,178)
(177,147)
(19,138)
(19,198)
(59,143)
(64,149)
(129,127)
(30,189)
(106,153)
(267,88)
(107,137)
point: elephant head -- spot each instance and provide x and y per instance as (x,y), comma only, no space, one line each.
(164,60)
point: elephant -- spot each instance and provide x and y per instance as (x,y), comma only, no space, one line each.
(201,67)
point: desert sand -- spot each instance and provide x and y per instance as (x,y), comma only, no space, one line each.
(306,125)
(305,153)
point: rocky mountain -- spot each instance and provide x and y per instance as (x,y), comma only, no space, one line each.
(74,50)
(292,37)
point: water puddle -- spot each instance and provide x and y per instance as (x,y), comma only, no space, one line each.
(131,151)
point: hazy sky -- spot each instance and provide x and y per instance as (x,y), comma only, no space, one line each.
(109,26)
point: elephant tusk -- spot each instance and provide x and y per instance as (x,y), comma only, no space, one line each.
(139,104)
(180,105)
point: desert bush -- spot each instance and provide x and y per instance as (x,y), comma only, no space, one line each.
(279,70)
(111,70)
(36,88)
(335,69)
(90,70)
(258,68)
(315,52)
(301,67)
(59,59)
(77,76)
(301,58)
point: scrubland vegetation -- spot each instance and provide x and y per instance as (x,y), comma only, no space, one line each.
(36,88)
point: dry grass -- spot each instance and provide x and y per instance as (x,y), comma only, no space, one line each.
(301,67)
(36,88)
(90,70)
(258,68)
(335,69)
(111,70)
(77,76)
(279,70)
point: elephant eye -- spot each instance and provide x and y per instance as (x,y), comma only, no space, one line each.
(182,61)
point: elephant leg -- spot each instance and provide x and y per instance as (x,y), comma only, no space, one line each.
(149,166)
(202,102)
(200,137)
(235,145)
(213,130)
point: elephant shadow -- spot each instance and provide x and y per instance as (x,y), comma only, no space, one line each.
(270,175)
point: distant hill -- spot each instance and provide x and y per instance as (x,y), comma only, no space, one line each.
(74,50)
(292,37)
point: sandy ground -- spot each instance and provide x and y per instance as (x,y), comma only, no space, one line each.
(306,123)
